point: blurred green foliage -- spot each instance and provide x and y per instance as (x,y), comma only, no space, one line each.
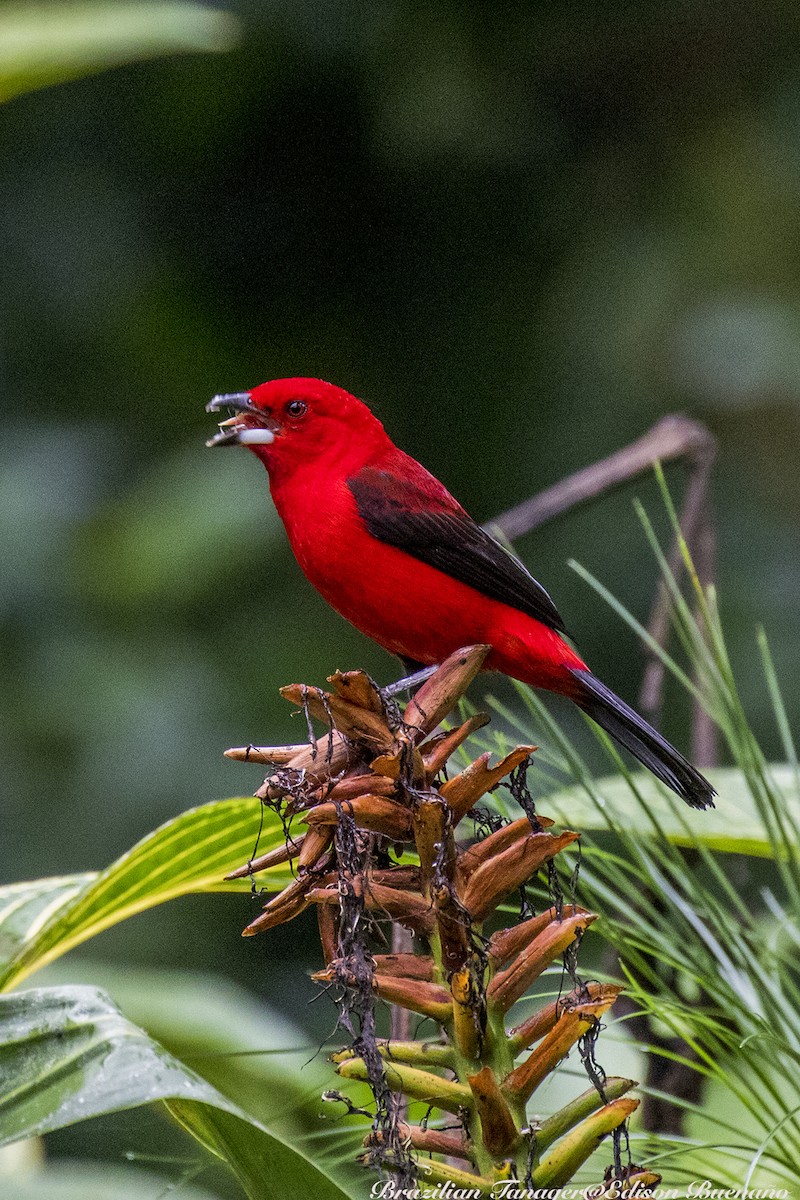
(43,44)
(522,232)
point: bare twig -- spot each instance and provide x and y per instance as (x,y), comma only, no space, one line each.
(672,437)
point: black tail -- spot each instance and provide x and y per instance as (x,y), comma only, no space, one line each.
(644,742)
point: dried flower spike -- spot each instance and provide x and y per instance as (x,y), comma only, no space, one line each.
(382,844)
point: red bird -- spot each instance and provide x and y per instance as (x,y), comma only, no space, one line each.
(391,550)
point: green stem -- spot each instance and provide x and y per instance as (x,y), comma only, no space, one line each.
(432,1171)
(418,1054)
(579,1108)
(420,1085)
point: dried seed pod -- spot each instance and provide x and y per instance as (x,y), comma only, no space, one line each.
(541,1022)
(313,765)
(273,858)
(405,764)
(440,694)
(358,724)
(278,755)
(474,856)
(439,749)
(357,688)
(572,1024)
(360,785)
(465,790)
(507,986)
(406,877)
(328,923)
(408,908)
(427,999)
(315,844)
(507,943)
(430,830)
(436,1141)
(503,874)
(285,906)
(371,812)
(410,966)
(454,928)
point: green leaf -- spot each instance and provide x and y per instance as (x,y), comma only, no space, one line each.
(733,827)
(67,1054)
(245,1048)
(70,1180)
(265,1166)
(191,853)
(46,44)
(25,908)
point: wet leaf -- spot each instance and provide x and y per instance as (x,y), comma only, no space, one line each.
(68,1054)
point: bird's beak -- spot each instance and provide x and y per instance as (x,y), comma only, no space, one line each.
(239,429)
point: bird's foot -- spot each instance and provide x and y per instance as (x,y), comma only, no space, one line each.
(409,683)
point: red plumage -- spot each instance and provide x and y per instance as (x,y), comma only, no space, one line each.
(390,549)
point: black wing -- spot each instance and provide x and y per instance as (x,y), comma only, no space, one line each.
(400,513)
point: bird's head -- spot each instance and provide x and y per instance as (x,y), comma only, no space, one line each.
(291,422)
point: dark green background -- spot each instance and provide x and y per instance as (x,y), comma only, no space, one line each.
(523,232)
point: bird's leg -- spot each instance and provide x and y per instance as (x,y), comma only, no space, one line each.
(409,682)
(672,438)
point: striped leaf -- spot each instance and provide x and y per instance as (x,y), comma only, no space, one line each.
(40,921)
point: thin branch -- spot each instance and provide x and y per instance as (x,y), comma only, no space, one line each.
(674,436)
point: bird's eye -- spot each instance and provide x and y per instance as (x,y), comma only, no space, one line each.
(295,408)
